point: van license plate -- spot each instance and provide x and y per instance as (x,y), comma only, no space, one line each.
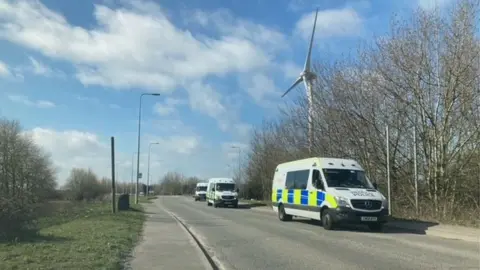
(369,218)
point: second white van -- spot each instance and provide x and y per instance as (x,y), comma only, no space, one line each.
(201,191)
(222,192)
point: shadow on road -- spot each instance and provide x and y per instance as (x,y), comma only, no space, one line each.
(418,228)
(251,205)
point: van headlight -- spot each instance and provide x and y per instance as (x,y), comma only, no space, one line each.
(218,197)
(385,204)
(342,202)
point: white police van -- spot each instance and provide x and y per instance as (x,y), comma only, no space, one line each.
(331,190)
(201,191)
(222,192)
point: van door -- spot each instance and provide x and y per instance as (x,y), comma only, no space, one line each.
(316,193)
(296,189)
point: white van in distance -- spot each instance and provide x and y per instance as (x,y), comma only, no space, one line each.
(331,190)
(222,192)
(201,191)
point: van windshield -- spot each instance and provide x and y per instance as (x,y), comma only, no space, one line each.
(201,188)
(346,178)
(225,187)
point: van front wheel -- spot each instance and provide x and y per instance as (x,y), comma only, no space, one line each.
(282,215)
(327,220)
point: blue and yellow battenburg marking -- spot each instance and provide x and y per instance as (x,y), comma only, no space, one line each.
(303,197)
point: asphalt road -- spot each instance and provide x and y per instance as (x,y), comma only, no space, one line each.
(251,239)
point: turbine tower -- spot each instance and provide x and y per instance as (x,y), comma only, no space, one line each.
(307,77)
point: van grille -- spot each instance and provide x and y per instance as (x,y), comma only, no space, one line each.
(366,204)
(227,197)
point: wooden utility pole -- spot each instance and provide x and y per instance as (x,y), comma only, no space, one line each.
(112,145)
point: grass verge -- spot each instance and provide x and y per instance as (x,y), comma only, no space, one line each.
(76,235)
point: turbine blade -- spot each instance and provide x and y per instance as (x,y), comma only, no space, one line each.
(299,80)
(309,55)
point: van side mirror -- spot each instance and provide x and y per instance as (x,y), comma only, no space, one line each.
(319,184)
(213,189)
(375,186)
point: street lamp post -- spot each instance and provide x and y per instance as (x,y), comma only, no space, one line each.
(131,178)
(148,165)
(138,141)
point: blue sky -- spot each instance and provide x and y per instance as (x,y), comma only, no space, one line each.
(72,72)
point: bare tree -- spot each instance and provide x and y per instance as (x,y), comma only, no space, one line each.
(424,76)
(174,183)
(83,184)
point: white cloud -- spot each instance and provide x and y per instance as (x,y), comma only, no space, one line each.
(96,102)
(80,149)
(433,4)
(331,23)
(234,150)
(203,98)
(222,20)
(141,40)
(42,104)
(243,130)
(169,106)
(74,149)
(39,68)
(291,70)
(4,70)
(172,126)
(137,46)
(260,86)
(176,144)
(88,99)
(302,5)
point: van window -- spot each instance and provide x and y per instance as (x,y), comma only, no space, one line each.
(346,178)
(317,179)
(290,182)
(301,179)
(201,188)
(225,187)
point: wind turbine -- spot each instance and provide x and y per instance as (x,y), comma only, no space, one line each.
(307,77)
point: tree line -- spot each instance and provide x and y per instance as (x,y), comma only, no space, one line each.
(28,181)
(175,183)
(422,81)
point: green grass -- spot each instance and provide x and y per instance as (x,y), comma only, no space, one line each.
(76,236)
